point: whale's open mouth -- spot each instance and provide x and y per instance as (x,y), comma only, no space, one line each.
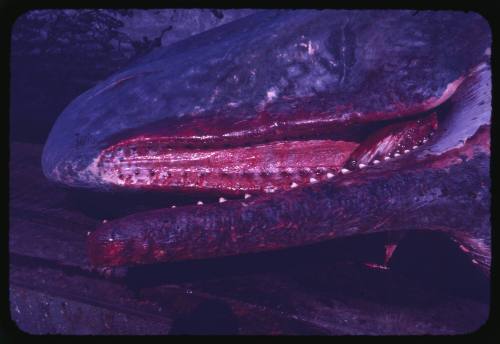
(269,157)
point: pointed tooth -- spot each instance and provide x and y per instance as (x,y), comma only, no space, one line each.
(414,147)
(463,248)
(376,162)
(313,180)
(294,185)
(222,200)
(396,155)
(344,171)
(104,221)
(406,151)
(329,175)
(247,196)
(110,239)
(387,158)
(199,203)
(173,207)
(361,165)
(424,140)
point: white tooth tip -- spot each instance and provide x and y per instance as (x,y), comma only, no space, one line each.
(375,162)
(199,203)
(329,175)
(396,155)
(173,207)
(110,239)
(387,157)
(313,180)
(424,140)
(294,185)
(247,196)
(345,171)
(104,221)
(222,200)
(406,151)
(361,165)
(414,147)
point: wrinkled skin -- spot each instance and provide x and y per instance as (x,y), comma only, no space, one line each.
(293,76)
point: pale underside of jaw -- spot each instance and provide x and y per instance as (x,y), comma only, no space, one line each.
(147,164)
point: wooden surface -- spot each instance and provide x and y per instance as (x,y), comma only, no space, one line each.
(322,289)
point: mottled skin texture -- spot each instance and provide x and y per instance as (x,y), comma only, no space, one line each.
(311,72)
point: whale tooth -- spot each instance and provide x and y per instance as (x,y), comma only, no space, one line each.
(376,162)
(199,203)
(247,196)
(173,207)
(406,151)
(396,155)
(361,165)
(294,185)
(313,180)
(344,171)
(387,158)
(463,248)
(104,221)
(424,140)
(329,175)
(414,147)
(110,239)
(222,200)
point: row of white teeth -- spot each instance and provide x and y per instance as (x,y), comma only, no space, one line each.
(313,180)
(329,175)
(388,157)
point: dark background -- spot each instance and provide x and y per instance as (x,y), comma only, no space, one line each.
(431,286)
